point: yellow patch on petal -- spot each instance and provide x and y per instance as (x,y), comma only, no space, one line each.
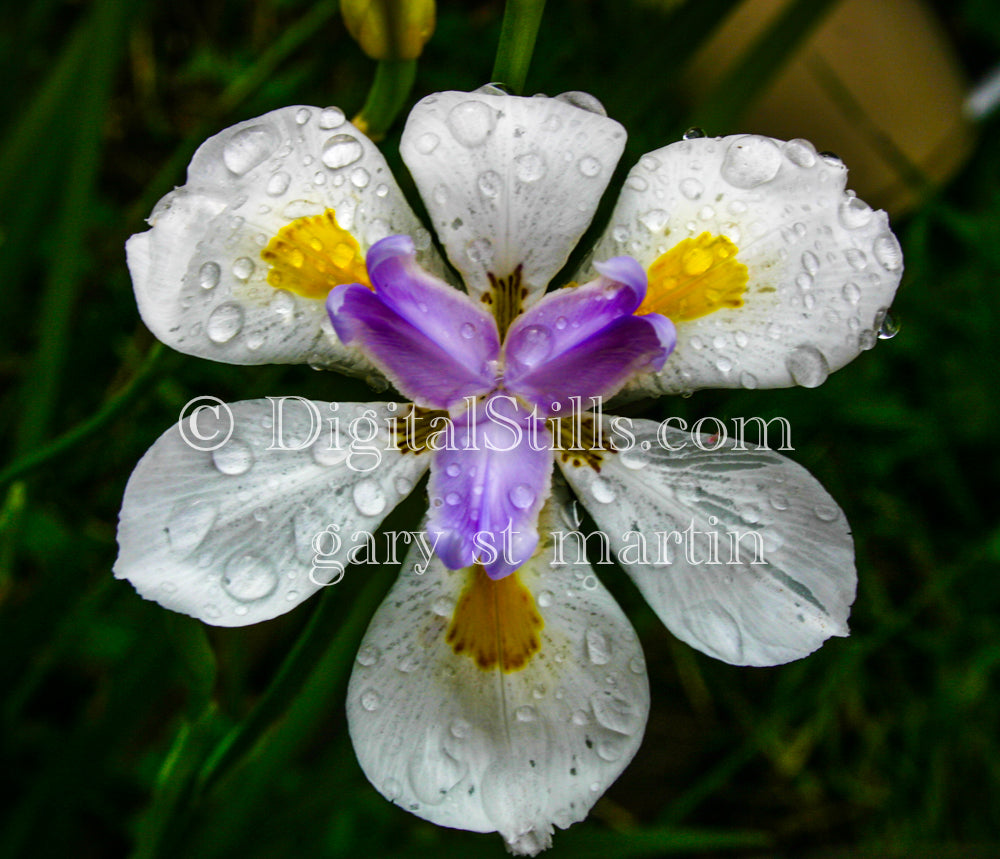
(696,277)
(312,255)
(496,623)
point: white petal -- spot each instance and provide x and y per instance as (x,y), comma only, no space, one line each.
(823,266)
(780,579)
(199,278)
(489,751)
(231,535)
(510,181)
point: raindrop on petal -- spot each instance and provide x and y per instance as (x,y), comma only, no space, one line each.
(807,366)
(248,147)
(234,457)
(208,275)
(224,323)
(249,578)
(341,150)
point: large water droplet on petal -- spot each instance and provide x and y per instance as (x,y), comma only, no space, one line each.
(529,167)
(341,150)
(369,497)
(234,457)
(224,323)
(522,496)
(598,647)
(888,252)
(854,213)
(208,275)
(278,183)
(370,700)
(751,161)
(189,524)
(490,183)
(614,712)
(589,166)
(331,117)
(807,366)
(602,491)
(248,578)
(471,122)
(248,147)
(534,343)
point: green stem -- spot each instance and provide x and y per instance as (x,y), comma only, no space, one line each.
(521,19)
(389,93)
(87,428)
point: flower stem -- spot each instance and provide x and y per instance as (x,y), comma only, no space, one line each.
(521,19)
(389,92)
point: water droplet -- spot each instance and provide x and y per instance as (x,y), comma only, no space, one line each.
(692,188)
(693,133)
(409,663)
(381,190)
(715,630)
(525,714)
(584,101)
(749,381)
(751,161)
(529,167)
(341,150)
(490,183)
(614,712)
(867,340)
(243,268)
(471,122)
(889,327)
(460,729)
(522,496)
(282,304)
(854,213)
(427,143)
(801,153)
(302,115)
(208,275)
(331,117)
(443,606)
(234,457)
(480,250)
(636,183)
(545,599)
(804,281)
(636,665)
(326,452)
(368,497)
(609,750)
(810,262)
(851,293)
(453,470)
(598,647)
(826,512)
(589,166)
(370,700)
(224,323)
(248,147)
(189,524)
(360,177)
(807,366)
(278,183)
(888,253)
(533,345)
(654,220)
(368,655)
(452,499)
(249,578)
(856,259)
(602,491)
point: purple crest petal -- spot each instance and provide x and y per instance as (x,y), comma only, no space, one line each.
(432,341)
(584,341)
(488,486)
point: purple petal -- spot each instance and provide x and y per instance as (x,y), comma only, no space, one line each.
(584,341)
(432,341)
(487,486)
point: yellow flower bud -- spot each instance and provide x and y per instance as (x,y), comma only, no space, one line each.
(389,29)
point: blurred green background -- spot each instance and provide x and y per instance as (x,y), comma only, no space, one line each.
(883,744)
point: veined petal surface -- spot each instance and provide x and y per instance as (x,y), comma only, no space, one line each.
(510,183)
(486,750)
(200,281)
(487,486)
(247,531)
(433,342)
(584,341)
(741,553)
(823,267)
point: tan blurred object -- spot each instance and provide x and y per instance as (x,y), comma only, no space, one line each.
(877,83)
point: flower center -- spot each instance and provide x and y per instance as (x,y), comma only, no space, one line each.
(694,278)
(312,255)
(495,622)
